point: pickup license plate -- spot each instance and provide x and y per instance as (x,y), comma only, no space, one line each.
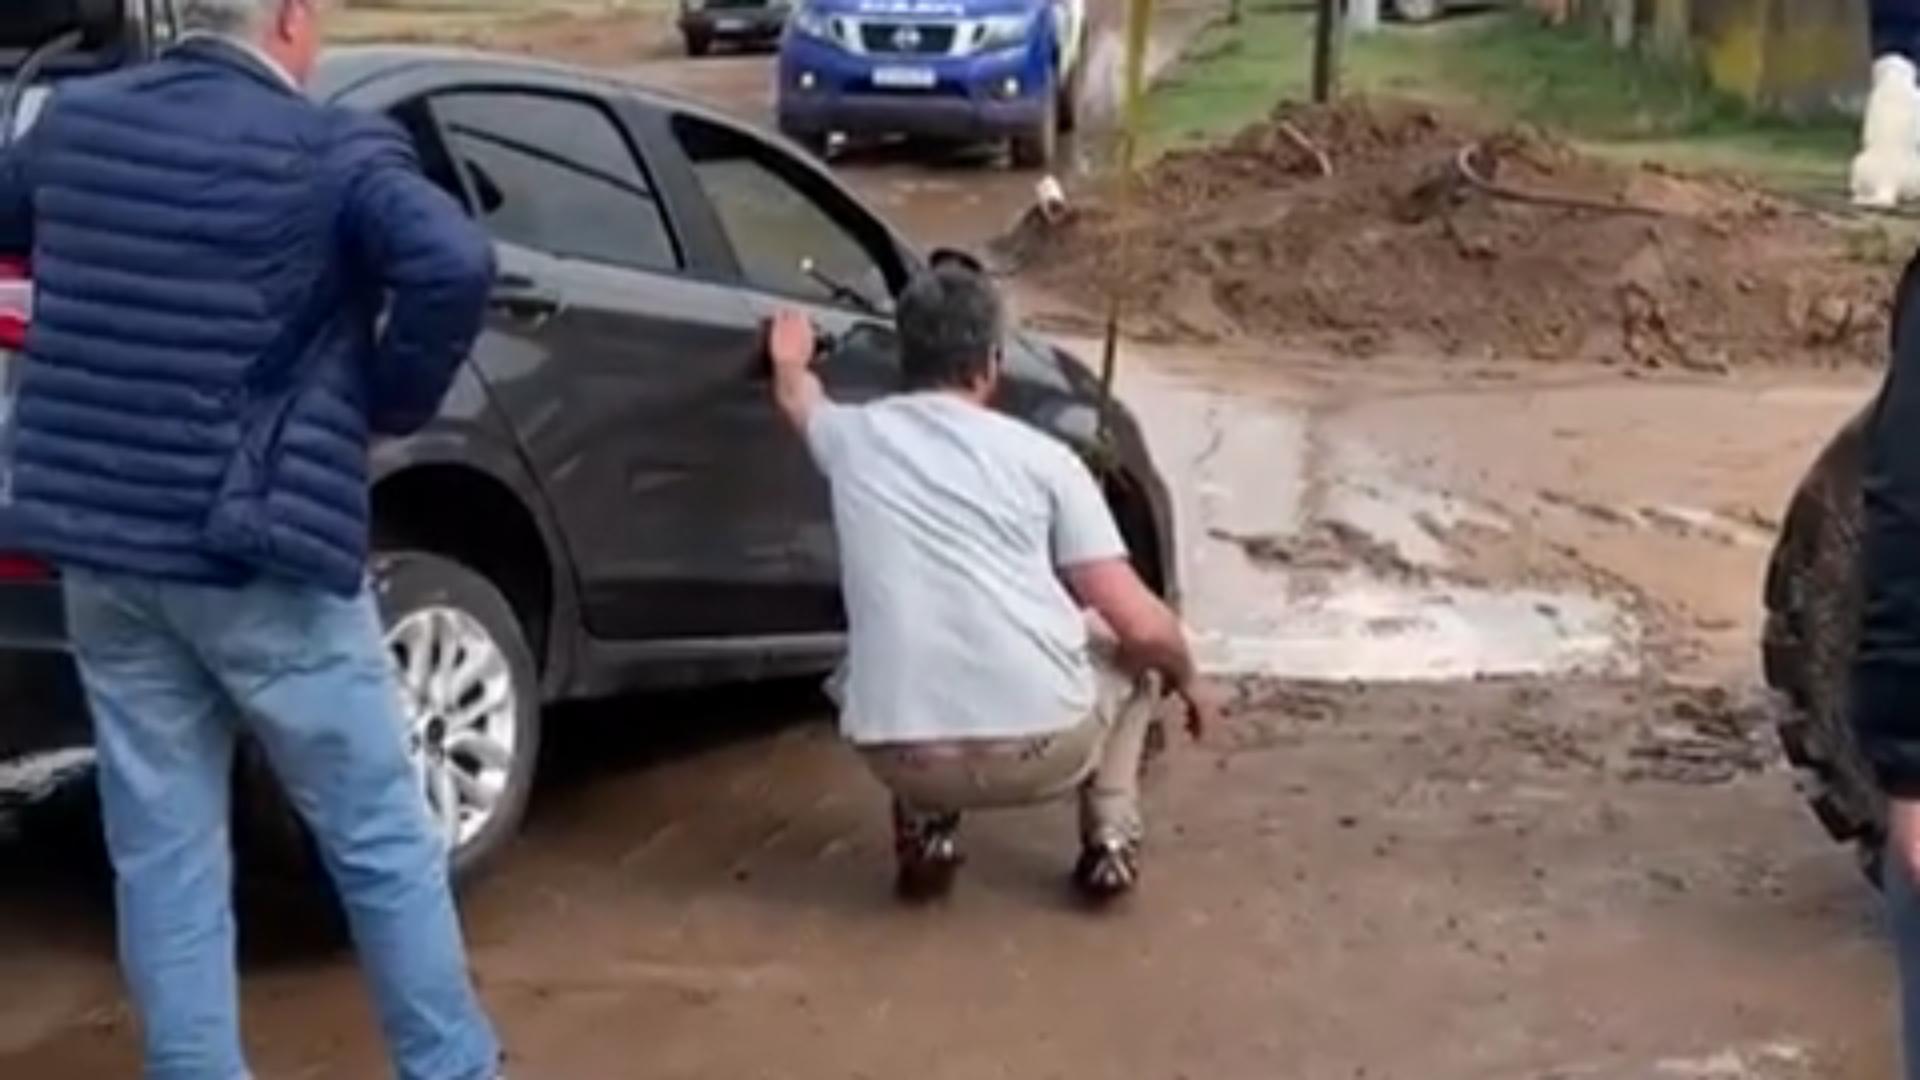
(904,78)
(730,26)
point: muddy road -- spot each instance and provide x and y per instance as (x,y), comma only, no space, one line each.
(1453,883)
(1496,841)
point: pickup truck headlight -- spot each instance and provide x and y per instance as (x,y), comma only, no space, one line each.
(1002,32)
(817,25)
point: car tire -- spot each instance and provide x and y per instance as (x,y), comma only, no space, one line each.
(816,143)
(1813,600)
(1416,11)
(472,615)
(1036,148)
(699,45)
(449,611)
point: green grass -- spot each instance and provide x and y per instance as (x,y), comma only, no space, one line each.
(1508,69)
(460,21)
(1230,77)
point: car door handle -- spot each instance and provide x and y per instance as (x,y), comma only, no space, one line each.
(521,299)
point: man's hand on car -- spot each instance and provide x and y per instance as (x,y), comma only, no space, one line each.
(790,340)
(791,345)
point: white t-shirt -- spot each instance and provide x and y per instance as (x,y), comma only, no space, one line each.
(953,522)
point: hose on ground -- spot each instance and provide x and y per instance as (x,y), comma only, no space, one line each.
(1463,164)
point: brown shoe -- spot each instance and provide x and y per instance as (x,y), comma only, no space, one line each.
(1108,869)
(926,847)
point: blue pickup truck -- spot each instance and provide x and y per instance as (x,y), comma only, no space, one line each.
(965,70)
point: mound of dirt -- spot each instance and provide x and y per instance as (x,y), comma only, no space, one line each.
(1370,226)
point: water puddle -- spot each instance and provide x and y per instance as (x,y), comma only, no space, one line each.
(1304,557)
(1364,629)
(1779,1059)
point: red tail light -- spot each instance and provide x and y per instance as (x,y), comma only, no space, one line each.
(16,303)
(18,568)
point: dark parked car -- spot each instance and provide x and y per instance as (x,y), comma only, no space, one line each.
(746,22)
(1813,596)
(607,500)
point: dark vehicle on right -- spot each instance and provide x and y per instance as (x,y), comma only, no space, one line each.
(1813,601)
(607,499)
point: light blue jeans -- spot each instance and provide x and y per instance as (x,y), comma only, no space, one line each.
(174,673)
(1903,919)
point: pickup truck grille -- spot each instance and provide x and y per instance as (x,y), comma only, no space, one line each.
(907,39)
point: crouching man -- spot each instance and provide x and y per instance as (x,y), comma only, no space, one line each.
(969,546)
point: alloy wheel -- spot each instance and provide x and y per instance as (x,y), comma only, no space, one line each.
(461,709)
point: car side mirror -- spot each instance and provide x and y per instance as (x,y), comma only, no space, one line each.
(869,352)
(955,257)
(870,339)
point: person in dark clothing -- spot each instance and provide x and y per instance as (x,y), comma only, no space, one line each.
(1886,676)
(1887,169)
(1895,27)
(211,253)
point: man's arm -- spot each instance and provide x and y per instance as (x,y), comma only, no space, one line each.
(1092,558)
(437,268)
(1149,633)
(790,348)
(1886,678)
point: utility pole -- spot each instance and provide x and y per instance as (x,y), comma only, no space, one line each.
(1133,107)
(1323,50)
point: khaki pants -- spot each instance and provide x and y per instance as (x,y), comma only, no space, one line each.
(1100,758)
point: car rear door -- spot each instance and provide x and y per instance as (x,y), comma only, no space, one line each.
(795,238)
(626,377)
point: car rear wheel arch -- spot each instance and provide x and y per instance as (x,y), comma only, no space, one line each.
(1133,513)
(435,507)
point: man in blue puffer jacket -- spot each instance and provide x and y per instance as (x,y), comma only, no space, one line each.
(212,253)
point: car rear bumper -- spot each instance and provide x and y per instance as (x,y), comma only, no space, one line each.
(44,708)
(825,90)
(734,24)
(32,617)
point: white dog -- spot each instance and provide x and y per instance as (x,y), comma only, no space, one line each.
(1887,170)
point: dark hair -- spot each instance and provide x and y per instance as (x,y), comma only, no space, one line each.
(950,322)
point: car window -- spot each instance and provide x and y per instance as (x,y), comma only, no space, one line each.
(778,218)
(555,174)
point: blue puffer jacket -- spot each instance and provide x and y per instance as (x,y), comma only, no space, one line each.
(211,253)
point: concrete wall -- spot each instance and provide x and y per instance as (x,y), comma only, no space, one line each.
(1792,56)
